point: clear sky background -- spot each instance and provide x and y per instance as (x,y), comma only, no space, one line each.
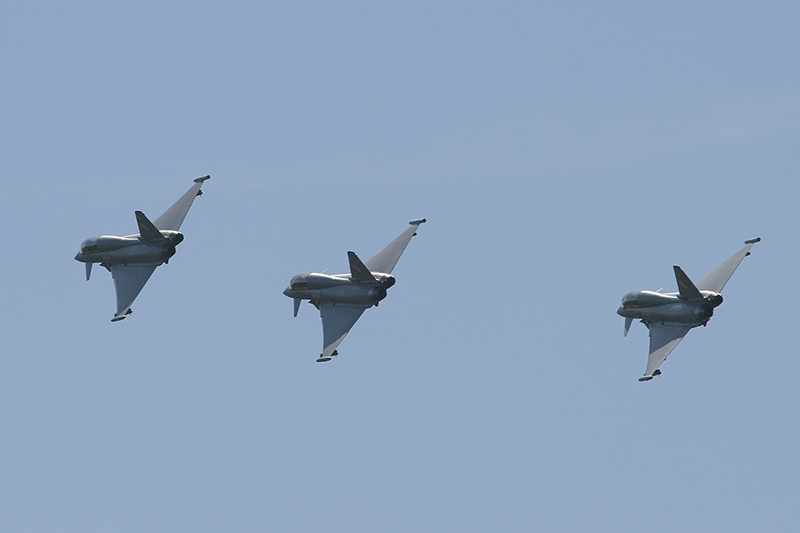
(564,154)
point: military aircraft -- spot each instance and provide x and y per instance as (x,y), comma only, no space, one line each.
(133,258)
(342,298)
(670,316)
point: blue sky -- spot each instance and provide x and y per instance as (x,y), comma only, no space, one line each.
(563,155)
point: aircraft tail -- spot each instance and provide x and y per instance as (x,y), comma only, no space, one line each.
(147,230)
(628,322)
(297,305)
(88,270)
(686,288)
(358,271)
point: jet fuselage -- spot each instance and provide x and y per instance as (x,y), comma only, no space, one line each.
(131,249)
(339,288)
(653,306)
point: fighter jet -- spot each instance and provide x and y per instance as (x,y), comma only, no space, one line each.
(133,258)
(670,316)
(342,298)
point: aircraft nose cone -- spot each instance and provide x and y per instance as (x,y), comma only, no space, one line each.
(287,291)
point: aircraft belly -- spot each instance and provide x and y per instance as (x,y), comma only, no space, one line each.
(672,313)
(346,294)
(140,254)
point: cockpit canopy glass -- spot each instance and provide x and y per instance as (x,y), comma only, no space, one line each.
(89,246)
(630,300)
(299,282)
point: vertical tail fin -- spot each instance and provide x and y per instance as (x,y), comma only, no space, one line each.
(686,288)
(628,322)
(88,270)
(358,271)
(297,305)
(147,230)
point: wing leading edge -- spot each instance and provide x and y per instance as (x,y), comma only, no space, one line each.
(337,320)
(717,279)
(173,217)
(663,339)
(128,282)
(385,260)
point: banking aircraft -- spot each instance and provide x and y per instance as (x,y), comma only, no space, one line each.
(669,317)
(132,259)
(342,298)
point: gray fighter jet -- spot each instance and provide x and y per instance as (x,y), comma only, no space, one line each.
(670,316)
(342,298)
(132,259)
